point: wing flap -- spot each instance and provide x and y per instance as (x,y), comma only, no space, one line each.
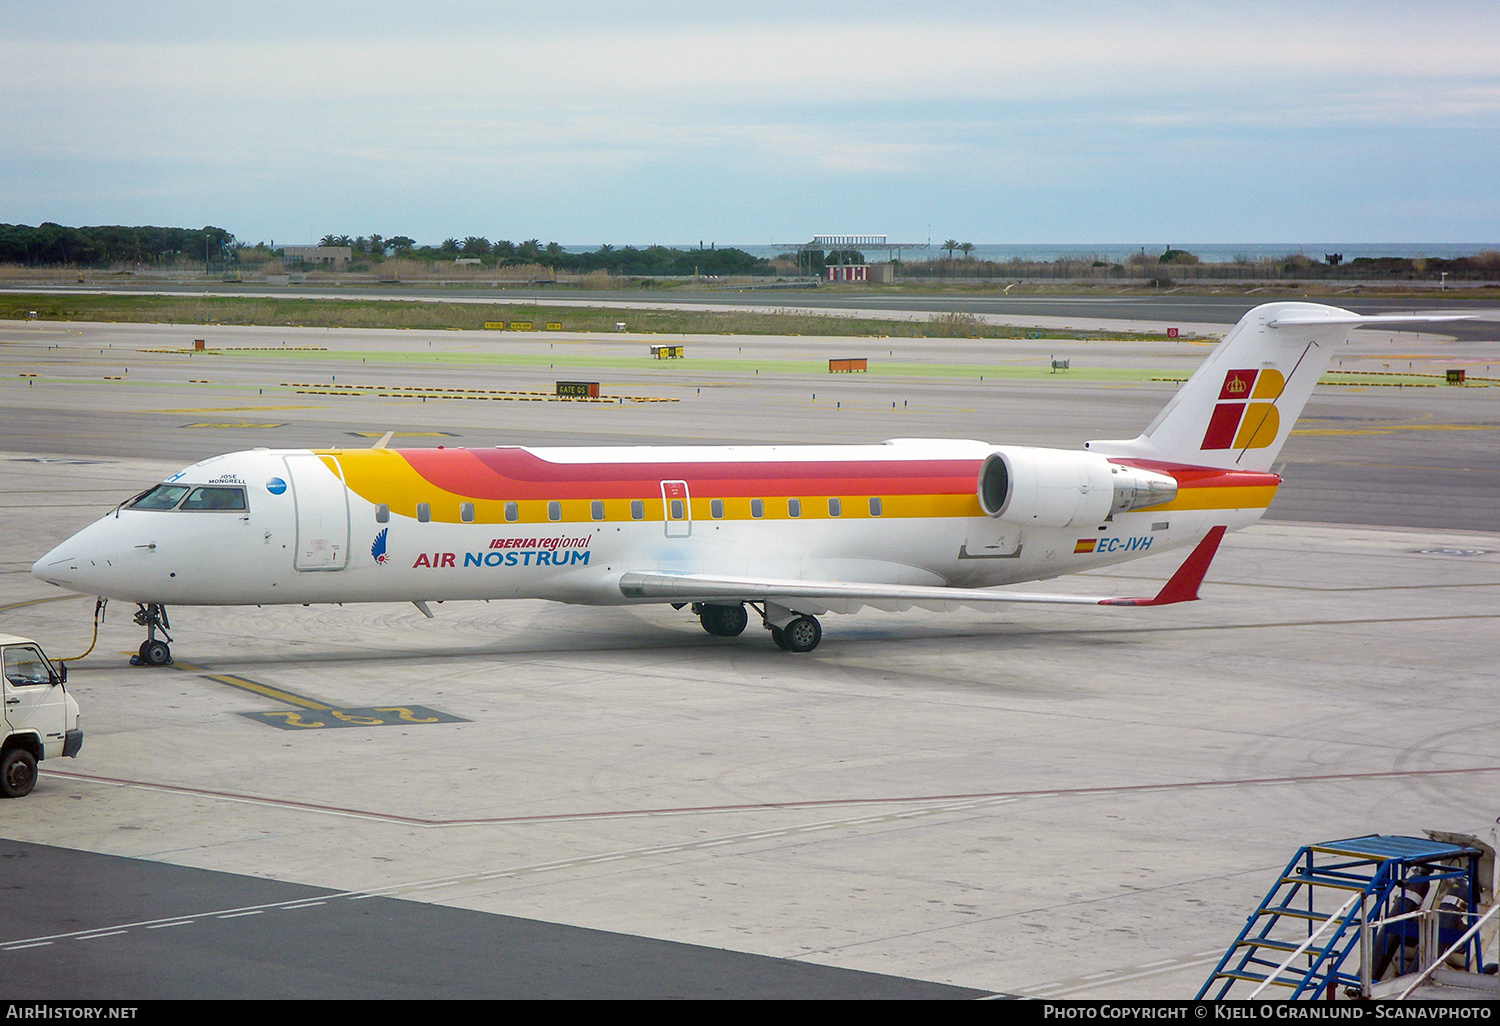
(841,596)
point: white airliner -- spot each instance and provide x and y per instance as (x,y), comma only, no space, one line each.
(791,531)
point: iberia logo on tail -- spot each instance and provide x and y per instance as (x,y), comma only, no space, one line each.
(1245,416)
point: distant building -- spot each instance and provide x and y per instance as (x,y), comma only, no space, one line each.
(338,256)
(811,254)
(849,241)
(878,273)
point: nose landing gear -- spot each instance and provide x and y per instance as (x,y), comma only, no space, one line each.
(153,651)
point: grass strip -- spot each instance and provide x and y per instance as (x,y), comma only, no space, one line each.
(427,314)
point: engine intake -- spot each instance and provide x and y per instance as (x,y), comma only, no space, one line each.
(1057,488)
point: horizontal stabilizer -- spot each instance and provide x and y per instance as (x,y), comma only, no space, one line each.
(1346,317)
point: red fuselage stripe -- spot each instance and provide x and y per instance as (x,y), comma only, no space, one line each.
(518,474)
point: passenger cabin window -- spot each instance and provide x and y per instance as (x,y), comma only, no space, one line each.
(596,510)
(382,514)
(835,508)
(676,509)
(757,508)
(637,509)
(163,496)
(466,512)
(794,507)
(875,506)
(716,509)
(424,512)
(554,510)
(214,498)
(512,513)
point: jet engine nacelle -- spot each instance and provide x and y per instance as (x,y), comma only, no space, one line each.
(1058,488)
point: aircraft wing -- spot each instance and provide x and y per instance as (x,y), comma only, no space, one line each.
(847,596)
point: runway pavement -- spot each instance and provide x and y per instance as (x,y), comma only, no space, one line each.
(1078,803)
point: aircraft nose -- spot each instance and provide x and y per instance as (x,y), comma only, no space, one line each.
(60,566)
(83,562)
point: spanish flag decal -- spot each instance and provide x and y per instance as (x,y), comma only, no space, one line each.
(1084,545)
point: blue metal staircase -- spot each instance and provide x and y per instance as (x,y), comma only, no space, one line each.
(1333,900)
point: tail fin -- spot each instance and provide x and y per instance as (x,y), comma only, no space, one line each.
(1236,411)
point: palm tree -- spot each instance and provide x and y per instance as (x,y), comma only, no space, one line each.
(950,245)
(968,248)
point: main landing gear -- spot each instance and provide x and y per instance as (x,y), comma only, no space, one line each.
(722,621)
(792,631)
(153,651)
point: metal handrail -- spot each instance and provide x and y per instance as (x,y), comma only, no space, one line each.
(1468,935)
(1336,917)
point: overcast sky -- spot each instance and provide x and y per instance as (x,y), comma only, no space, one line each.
(760,122)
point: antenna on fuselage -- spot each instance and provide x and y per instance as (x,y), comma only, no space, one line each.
(383,439)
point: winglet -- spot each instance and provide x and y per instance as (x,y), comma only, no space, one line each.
(1183,587)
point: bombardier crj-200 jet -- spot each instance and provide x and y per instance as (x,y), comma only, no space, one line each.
(789,531)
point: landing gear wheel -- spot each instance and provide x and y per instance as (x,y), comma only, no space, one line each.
(154,652)
(17,773)
(723,621)
(801,635)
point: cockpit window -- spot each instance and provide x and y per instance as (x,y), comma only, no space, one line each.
(163,496)
(210,497)
(215,497)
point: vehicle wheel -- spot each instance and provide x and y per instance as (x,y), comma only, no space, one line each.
(155,653)
(801,635)
(778,637)
(724,621)
(17,773)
